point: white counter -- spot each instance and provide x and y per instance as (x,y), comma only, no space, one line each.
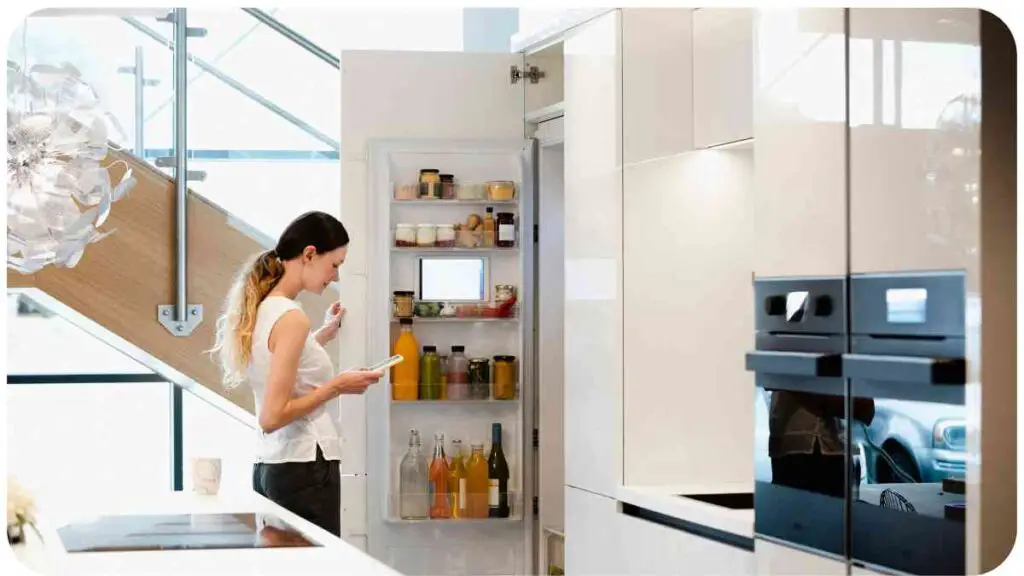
(333,556)
(666,500)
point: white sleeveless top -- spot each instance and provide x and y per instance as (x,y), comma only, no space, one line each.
(296,441)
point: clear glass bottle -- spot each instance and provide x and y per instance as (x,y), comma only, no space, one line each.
(412,478)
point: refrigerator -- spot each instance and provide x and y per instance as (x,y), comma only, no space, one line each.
(460,114)
(866,286)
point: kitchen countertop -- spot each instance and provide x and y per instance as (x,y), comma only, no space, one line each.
(666,500)
(333,555)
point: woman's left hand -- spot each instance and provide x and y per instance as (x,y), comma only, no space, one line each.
(332,322)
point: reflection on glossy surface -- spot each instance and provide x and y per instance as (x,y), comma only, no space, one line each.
(180,532)
(914,139)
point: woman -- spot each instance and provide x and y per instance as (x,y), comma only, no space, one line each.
(263,338)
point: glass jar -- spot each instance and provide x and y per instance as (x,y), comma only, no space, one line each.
(407,192)
(446,235)
(505,235)
(403,304)
(505,377)
(447,186)
(501,191)
(430,184)
(405,235)
(479,379)
(426,235)
(503,293)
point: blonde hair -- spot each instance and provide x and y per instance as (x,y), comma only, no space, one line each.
(233,342)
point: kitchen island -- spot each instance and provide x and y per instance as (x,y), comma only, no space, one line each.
(288,544)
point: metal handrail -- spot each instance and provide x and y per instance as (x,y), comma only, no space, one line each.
(290,33)
(245,90)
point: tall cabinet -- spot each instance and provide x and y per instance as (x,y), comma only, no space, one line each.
(868,126)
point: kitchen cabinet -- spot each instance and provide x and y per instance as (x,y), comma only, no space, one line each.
(723,70)
(773,559)
(921,211)
(800,144)
(592,543)
(657,99)
(593,257)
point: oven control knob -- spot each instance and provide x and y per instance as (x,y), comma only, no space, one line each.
(775,305)
(823,306)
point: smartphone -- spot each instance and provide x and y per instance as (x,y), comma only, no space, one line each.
(385,364)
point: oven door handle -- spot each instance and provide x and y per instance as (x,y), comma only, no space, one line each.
(810,364)
(909,369)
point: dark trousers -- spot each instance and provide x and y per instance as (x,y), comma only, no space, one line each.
(311,490)
(816,472)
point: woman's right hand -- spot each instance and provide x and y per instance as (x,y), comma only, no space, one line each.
(357,381)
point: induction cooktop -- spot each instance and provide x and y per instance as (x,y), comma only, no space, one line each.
(122,533)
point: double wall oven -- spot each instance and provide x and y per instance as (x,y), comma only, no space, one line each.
(860,432)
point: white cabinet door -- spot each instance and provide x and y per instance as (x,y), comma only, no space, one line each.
(772,559)
(915,140)
(723,71)
(593,257)
(657,96)
(592,543)
(800,143)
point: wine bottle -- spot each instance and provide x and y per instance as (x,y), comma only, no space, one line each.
(497,476)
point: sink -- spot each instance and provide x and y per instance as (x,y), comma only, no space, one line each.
(733,500)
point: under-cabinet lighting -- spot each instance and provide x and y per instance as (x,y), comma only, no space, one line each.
(745,143)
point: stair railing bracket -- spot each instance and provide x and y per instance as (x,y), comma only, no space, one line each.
(194,317)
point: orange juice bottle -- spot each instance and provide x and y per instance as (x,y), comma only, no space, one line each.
(477,483)
(405,376)
(457,488)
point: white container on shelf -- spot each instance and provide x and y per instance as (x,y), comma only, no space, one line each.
(446,235)
(426,235)
(405,235)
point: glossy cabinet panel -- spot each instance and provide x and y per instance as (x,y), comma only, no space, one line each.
(593,257)
(800,143)
(723,69)
(915,121)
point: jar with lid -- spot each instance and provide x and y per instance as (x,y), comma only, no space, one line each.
(505,236)
(479,379)
(446,235)
(501,190)
(426,235)
(503,293)
(505,378)
(447,186)
(403,304)
(430,184)
(405,235)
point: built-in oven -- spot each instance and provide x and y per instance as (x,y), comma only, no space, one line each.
(907,358)
(801,454)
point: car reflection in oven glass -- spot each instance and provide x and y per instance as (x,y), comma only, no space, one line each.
(912,442)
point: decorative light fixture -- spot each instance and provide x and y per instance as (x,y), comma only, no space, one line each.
(58,193)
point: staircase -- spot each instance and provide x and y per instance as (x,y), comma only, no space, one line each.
(114,291)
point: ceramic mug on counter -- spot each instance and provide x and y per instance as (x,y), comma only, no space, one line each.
(206,474)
